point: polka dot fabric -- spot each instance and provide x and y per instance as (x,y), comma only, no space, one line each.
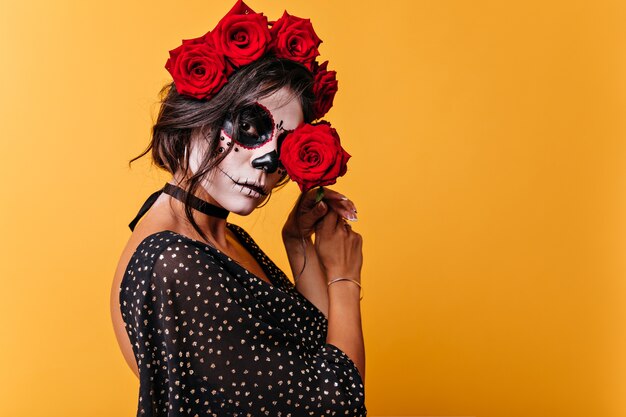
(212,339)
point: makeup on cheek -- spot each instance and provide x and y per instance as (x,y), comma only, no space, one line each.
(279,142)
(255,127)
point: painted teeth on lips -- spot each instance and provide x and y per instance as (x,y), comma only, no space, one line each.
(259,189)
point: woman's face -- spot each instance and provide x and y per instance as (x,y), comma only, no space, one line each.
(246,175)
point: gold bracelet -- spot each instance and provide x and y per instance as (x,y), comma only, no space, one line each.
(348,279)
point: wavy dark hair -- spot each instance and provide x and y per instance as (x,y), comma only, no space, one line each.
(182,118)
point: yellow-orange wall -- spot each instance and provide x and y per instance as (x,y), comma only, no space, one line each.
(488,171)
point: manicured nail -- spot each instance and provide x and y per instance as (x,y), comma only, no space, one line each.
(343,197)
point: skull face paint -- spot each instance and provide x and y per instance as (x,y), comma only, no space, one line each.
(256,126)
(251,169)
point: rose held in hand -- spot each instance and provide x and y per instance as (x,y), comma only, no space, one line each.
(312,155)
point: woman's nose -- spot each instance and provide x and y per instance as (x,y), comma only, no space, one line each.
(267,162)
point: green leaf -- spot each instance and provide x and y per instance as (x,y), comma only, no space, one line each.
(320,194)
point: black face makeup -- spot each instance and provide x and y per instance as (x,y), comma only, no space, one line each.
(256,127)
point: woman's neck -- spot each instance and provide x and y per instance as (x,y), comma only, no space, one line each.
(213,227)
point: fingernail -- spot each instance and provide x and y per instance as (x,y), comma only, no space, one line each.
(321,206)
(352,217)
(354,210)
(343,197)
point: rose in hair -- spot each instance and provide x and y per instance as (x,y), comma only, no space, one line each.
(294,38)
(312,155)
(324,89)
(198,70)
(242,36)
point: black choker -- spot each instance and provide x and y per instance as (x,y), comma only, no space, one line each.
(180,194)
(197,203)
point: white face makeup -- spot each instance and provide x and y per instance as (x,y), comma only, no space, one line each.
(251,169)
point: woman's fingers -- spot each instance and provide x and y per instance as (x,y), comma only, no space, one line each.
(328,224)
(342,208)
(334,195)
(308,199)
(312,211)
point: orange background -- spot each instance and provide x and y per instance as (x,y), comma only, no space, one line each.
(488,172)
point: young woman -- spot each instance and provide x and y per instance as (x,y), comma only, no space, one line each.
(210,325)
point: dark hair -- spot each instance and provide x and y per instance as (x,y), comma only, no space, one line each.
(182,118)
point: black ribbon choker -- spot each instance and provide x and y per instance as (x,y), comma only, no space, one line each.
(180,194)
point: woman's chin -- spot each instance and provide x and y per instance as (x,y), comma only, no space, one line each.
(244,207)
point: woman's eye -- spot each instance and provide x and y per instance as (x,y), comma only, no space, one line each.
(248,128)
(255,127)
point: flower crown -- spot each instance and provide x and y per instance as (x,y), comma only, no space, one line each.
(201,66)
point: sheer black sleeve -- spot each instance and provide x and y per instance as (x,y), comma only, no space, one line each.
(226,354)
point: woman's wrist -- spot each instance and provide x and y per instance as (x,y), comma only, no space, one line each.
(344,289)
(295,242)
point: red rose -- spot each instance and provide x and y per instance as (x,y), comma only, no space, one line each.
(313,156)
(294,38)
(197,69)
(241,36)
(324,89)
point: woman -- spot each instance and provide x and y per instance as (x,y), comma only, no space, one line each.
(210,325)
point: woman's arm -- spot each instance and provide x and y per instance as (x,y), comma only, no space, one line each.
(311,282)
(344,324)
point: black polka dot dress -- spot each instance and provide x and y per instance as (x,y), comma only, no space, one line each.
(212,339)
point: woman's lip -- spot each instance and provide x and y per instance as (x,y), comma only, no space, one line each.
(253,187)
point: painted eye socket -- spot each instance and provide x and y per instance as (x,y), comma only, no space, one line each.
(256,126)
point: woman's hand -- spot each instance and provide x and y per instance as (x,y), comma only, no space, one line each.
(339,248)
(302,219)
